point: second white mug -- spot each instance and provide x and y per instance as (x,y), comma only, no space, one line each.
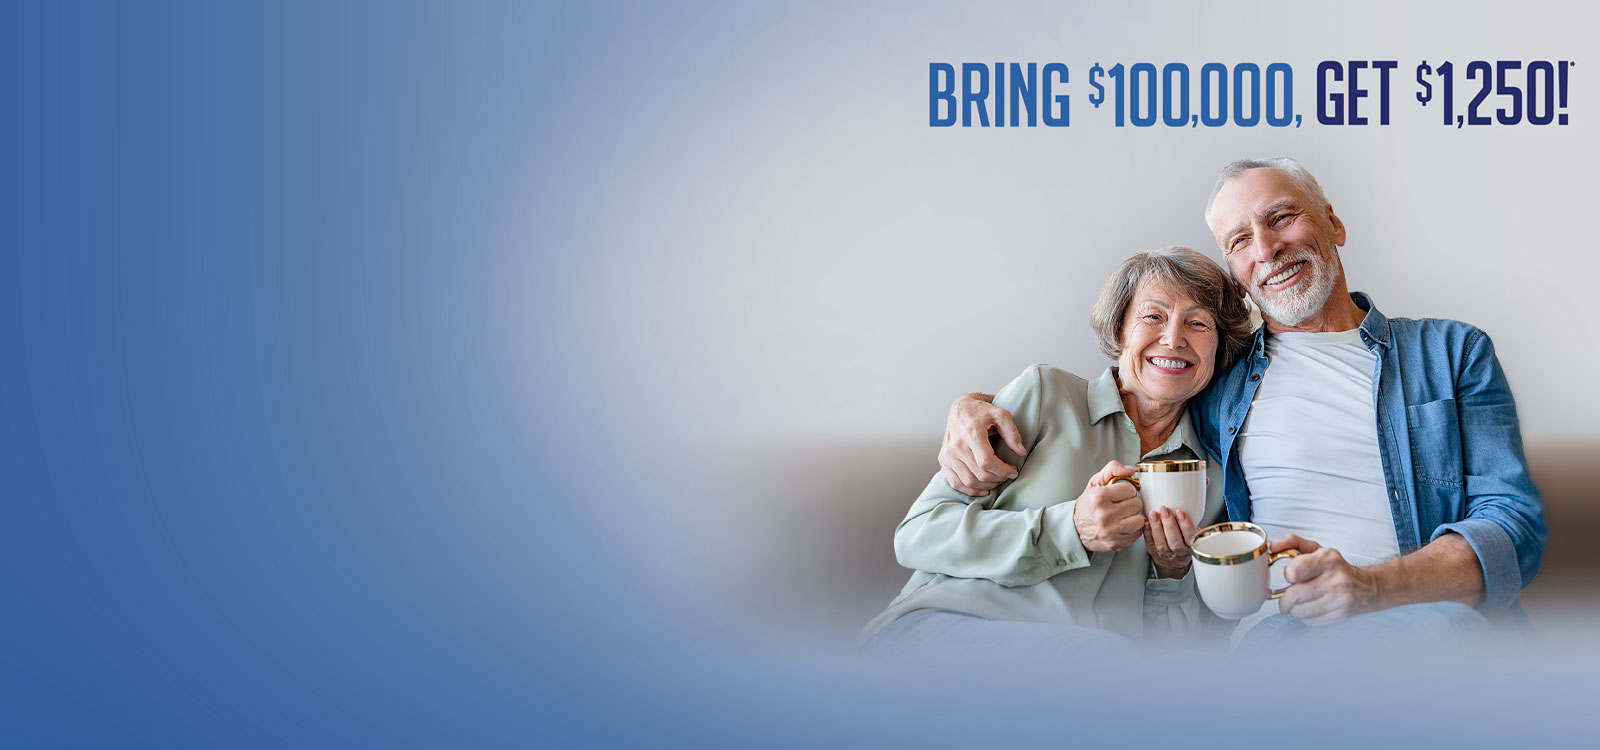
(1230,568)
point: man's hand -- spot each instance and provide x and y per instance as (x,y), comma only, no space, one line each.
(1107,513)
(968,462)
(1325,588)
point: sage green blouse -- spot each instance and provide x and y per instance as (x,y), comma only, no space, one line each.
(1015,555)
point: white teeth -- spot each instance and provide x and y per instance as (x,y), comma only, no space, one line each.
(1284,274)
(1170,364)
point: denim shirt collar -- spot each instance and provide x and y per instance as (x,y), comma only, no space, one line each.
(1105,399)
(1374,327)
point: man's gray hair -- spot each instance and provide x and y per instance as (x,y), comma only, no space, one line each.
(1187,271)
(1285,163)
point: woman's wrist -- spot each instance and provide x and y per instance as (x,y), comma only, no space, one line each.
(1173,572)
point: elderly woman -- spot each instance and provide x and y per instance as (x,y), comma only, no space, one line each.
(1062,550)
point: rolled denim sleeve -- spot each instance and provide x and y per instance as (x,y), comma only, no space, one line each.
(1504,520)
(1502,572)
(965,537)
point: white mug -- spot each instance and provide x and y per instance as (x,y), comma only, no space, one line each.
(1230,568)
(1173,484)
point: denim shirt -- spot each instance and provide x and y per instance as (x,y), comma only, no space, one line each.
(1448,434)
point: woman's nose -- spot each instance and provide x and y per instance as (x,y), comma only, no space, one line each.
(1172,335)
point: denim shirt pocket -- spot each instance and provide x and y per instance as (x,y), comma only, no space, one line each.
(1436,443)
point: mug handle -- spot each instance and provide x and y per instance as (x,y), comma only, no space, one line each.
(1130,480)
(1274,557)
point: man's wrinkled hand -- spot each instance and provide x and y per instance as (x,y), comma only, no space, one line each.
(1324,587)
(966,458)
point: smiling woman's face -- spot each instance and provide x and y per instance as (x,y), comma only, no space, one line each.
(1169,344)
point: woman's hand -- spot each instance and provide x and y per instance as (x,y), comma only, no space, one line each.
(1107,513)
(1167,539)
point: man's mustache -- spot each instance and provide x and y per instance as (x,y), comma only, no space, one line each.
(1309,258)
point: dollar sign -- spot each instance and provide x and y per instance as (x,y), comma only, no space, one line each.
(1427,88)
(1100,91)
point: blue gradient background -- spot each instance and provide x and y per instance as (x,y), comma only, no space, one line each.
(406,374)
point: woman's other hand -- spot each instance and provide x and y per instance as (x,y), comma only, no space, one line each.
(1167,539)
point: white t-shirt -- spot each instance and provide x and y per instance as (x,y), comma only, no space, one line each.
(1309,451)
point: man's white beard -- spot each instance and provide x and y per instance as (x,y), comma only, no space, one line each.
(1292,310)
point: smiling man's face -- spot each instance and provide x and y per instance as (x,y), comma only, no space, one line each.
(1279,242)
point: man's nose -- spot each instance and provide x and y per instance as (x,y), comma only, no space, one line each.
(1266,244)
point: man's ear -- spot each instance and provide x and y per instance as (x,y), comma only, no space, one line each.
(1338,227)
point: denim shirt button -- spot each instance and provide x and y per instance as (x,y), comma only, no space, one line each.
(1230,430)
(1255,377)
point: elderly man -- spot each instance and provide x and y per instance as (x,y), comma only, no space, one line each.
(1392,443)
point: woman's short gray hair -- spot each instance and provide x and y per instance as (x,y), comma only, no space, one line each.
(1187,271)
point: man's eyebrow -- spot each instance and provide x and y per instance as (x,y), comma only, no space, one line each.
(1286,203)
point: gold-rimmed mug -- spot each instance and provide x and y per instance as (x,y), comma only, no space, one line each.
(1230,568)
(1177,484)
